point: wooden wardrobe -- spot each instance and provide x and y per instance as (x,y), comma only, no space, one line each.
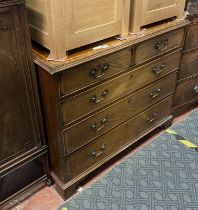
(22,144)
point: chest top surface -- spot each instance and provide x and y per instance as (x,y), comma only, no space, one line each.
(102,48)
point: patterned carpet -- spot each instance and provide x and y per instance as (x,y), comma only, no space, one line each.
(161,176)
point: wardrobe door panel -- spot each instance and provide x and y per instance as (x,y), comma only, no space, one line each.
(18,130)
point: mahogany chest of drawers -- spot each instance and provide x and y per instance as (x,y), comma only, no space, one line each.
(98,103)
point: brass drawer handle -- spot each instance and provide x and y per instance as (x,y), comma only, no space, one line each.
(155,93)
(102,122)
(94,99)
(155,70)
(157,46)
(162,66)
(100,152)
(195,90)
(162,45)
(102,68)
(165,44)
(153,118)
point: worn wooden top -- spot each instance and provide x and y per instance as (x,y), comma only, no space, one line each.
(87,53)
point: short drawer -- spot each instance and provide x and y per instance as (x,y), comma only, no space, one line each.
(92,72)
(158,45)
(85,131)
(187,91)
(189,65)
(191,37)
(103,94)
(103,147)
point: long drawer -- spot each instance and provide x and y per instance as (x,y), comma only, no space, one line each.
(94,71)
(91,100)
(106,145)
(159,45)
(85,131)
(189,65)
(187,91)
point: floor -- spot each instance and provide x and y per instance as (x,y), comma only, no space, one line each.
(162,175)
(48,199)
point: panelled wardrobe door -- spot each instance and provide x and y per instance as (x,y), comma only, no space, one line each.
(168,8)
(19,129)
(80,25)
(145,12)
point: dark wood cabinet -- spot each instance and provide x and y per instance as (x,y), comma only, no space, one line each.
(191,37)
(21,133)
(189,65)
(186,93)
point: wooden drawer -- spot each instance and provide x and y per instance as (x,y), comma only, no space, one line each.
(191,37)
(187,91)
(128,82)
(85,131)
(189,65)
(92,72)
(106,145)
(158,45)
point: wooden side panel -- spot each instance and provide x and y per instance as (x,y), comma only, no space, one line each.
(39,16)
(49,89)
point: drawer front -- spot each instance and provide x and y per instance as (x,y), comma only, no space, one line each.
(193,19)
(95,98)
(187,91)
(189,65)
(94,126)
(106,145)
(158,45)
(92,72)
(191,37)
